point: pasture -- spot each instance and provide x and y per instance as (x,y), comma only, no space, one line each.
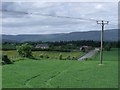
(108,55)
(52,54)
(52,73)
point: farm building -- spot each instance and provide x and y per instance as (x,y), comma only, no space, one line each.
(42,46)
(85,48)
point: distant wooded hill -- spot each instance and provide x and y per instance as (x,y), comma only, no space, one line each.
(109,35)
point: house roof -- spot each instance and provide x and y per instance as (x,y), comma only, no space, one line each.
(42,45)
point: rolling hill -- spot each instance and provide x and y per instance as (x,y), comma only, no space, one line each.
(109,35)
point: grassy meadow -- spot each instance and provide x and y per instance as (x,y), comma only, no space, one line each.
(52,54)
(52,73)
(108,55)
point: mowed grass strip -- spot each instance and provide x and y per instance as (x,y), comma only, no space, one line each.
(52,54)
(62,73)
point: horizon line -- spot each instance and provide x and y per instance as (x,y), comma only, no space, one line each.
(55,33)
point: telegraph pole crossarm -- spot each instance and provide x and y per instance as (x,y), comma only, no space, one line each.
(102,23)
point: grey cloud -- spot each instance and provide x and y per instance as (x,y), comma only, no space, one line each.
(40,24)
(44,22)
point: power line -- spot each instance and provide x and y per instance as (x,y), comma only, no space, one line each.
(20,12)
(57,16)
(102,22)
(88,19)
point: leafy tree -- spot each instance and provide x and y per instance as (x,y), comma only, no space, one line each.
(25,50)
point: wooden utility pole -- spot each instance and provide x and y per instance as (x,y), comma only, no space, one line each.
(102,23)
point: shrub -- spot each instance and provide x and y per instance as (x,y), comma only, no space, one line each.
(68,58)
(6,60)
(74,58)
(86,59)
(60,57)
(41,55)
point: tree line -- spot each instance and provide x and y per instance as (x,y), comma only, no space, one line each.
(60,45)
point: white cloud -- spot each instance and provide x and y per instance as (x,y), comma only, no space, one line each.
(99,6)
(15,23)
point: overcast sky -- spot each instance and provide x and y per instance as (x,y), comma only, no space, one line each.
(19,23)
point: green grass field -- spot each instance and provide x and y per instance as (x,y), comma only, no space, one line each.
(52,73)
(0,77)
(51,54)
(108,55)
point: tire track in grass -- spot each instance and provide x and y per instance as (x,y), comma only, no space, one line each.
(48,82)
(26,83)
